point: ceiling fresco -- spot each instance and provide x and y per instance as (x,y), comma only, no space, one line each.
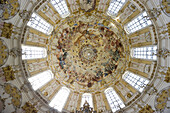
(87,5)
(87,53)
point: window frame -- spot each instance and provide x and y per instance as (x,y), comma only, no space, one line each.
(151,49)
(135,84)
(111,7)
(39,24)
(52,102)
(116,99)
(64,15)
(39,76)
(138,23)
(33,49)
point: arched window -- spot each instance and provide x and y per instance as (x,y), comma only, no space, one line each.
(40,24)
(41,79)
(115,6)
(31,52)
(136,81)
(60,99)
(87,97)
(148,52)
(113,99)
(61,7)
(138,23)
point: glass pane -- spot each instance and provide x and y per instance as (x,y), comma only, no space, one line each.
(113,99)
(61,7)
(115,6)
(60,99)
(138,23)
(31,52)
(40,24)
(41,79)
(145,52)
(136,81)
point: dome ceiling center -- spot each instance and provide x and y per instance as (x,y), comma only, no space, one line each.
(88,53)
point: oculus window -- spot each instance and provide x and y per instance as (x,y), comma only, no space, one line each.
(41,79)
(60,99)
(40,24)
(87,97)
(138,23)
(136,81)
(115,6)
(61,7)
(145,52)
(32,52)
(113,99)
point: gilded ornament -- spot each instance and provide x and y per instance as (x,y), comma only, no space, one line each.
(8,9)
